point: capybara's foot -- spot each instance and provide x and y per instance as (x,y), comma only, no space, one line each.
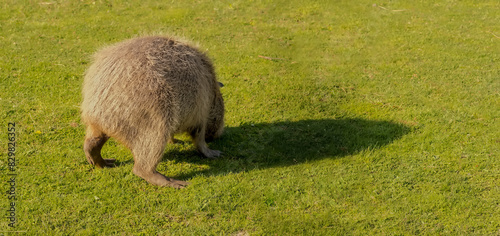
(156,178)
(212,154)
(204,150)
(176,183)
(161,180)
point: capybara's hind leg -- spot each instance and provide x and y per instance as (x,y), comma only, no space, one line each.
(94,140)
(198,135)
(147,158)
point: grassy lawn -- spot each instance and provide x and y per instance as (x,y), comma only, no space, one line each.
(342,118)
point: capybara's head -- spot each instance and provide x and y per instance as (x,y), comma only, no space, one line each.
(215,123)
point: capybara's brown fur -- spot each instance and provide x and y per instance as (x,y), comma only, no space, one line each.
(143,91)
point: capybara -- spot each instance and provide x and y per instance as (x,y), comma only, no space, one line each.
(143,91)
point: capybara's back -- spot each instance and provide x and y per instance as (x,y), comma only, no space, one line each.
(144,90)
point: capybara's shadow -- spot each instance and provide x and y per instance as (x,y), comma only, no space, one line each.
(264,145)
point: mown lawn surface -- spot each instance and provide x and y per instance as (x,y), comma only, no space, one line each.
(342,118)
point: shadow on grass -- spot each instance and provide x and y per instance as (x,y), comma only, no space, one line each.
(268,145)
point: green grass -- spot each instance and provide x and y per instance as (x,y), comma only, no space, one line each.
(379,118)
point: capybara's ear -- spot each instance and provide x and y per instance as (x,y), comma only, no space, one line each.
(220,84)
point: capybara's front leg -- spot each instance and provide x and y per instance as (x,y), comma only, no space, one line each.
(198,135)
